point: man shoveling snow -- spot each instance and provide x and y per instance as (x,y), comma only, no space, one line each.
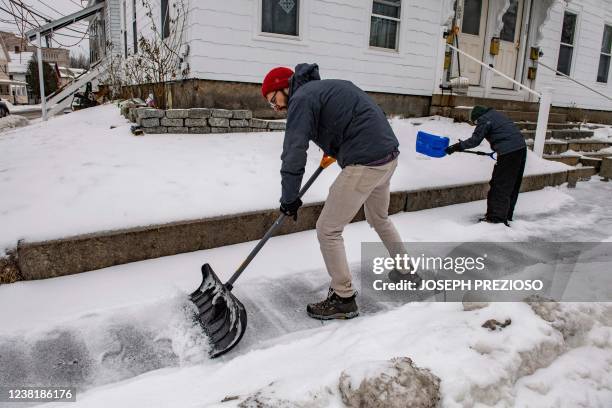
(346,124)
(507,141)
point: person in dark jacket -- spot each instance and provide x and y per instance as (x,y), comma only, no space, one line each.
(507,141)
(345,123)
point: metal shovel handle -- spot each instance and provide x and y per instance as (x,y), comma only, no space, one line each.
(326,161)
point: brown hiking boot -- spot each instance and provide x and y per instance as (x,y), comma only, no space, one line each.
(334,307)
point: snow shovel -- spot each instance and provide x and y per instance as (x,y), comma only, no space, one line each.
(221,315)
(431,145)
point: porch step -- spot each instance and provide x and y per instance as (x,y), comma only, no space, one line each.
(462,114)
(562,134)
(553,147)
(569,160)
(533,116)
(551,126)
(499,104)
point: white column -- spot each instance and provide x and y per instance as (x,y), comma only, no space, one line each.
(43,99)
(540,136)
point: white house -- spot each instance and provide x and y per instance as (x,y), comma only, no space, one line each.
(392,47)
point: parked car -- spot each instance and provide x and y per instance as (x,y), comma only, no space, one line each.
(4,110)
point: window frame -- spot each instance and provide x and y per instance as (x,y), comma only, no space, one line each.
(264,35)
(134,28)
(575,41)
(398,36)
(601,54)
(165,18)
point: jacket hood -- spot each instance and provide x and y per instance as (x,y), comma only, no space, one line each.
(304,73)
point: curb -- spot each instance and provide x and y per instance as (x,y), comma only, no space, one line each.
(66,256)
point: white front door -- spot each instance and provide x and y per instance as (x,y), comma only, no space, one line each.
(472,38)
(510,35)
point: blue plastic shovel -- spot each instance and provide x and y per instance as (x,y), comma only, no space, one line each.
(434,146)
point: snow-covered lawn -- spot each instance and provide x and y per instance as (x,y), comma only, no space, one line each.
(134,345)
(74,174)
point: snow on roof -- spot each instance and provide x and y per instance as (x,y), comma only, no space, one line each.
(66,72)
(18,63)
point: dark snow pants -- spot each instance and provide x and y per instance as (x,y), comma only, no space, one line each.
(505,185)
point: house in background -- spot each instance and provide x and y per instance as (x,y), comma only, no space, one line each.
(18,70)
(52,55)
(394,49)
(67,75)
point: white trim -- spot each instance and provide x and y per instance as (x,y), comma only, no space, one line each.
(608,54)
(259,35)
(383,51)
(577,11)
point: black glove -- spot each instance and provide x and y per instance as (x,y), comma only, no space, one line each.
(453,148)
(291,209)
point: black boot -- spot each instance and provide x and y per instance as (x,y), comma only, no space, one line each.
(334,307)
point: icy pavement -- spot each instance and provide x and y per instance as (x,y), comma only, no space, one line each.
(123,334)
(84,172)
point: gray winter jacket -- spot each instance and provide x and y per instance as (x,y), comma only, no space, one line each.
(499,130)
(338,117)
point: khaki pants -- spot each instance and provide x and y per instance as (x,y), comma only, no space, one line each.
(355,186)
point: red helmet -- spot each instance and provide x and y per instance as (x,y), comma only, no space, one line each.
(276,79)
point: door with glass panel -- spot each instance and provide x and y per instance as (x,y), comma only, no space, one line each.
(472,36)
(509,46)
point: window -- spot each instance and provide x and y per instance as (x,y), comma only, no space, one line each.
(165,18)
(134,32)
(280,17)
(384,25)
(16,49)
(124,28)
(472,10)
(606,54)
(566,51)
(509,30)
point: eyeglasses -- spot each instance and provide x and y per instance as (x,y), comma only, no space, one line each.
(272,101)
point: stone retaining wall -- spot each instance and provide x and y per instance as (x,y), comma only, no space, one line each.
(199,121)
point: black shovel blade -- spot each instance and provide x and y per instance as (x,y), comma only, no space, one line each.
(220,313)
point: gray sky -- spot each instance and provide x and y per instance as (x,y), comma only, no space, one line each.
(52,9)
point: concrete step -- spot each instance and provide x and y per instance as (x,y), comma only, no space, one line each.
(591,162)
(500,104)
(533,116)
(554,147)
(562,134)
(462,114)
(551,126)
(569,160)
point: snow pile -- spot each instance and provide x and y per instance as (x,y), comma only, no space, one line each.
(389,384)
(12,121)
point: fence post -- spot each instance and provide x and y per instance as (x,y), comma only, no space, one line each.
(540,136)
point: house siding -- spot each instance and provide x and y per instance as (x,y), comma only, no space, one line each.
(592,15)
(226,44)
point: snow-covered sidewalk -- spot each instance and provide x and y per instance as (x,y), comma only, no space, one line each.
(134,345)
(84,172)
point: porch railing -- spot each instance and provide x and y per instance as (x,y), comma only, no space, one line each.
(545,102)
(574,80)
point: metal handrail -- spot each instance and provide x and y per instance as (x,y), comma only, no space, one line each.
(574,80)
(501,74)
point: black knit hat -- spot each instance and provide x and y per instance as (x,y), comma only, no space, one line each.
(478,111)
